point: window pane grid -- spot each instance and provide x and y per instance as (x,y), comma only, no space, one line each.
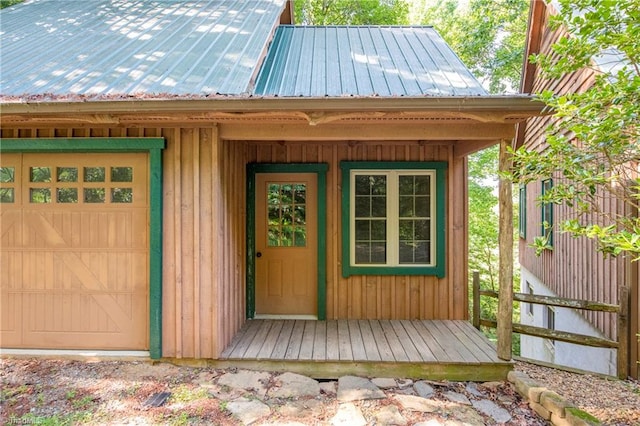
(414,224)
(392,218)
(370,219)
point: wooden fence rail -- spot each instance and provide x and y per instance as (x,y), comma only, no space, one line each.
(621,310)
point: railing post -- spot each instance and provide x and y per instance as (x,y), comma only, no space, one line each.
(623,333)
(476,299)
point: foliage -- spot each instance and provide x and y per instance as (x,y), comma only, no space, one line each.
(488,36)
(349,12)
(7,3)
(593,145)
(483,218)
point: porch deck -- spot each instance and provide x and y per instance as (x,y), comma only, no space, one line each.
(437,350)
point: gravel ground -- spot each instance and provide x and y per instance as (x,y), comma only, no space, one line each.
(58,392)
(614,402)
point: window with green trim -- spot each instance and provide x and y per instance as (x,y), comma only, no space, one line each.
(393,218)
(547,212)
(522,211)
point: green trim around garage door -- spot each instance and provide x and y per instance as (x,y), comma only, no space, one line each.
(321,170)
(154,147)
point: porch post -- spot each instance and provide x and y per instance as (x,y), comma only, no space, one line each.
(505,248)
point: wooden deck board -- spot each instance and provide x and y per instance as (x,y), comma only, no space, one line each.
(407,343)
(332,340)
(381,341)
(357,343)
(431,342)
(371,347)
(309,336)
(293,350)
(437,349)
(270,341)
(394,342)
(246,338)
(423,349)
(320,342)
(282,343)
(344,342)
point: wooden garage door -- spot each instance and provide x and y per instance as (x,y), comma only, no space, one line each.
(74,244)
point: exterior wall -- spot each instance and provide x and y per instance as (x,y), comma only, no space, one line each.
(574,268)
(600,360)
(204,236)
(385,297)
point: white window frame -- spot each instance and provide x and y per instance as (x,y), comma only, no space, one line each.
(393,220)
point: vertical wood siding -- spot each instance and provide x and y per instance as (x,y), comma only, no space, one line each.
(574,268)
(397,297)
(204,236)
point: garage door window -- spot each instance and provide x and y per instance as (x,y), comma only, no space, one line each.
(7,179)
(88,185)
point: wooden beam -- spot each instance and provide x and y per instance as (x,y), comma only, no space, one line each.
(588,305)
(465,148)
(561,336)
(505,249)
(368,131)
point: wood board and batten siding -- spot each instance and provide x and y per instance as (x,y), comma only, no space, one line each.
(382,297)
(574,268)
(204,232)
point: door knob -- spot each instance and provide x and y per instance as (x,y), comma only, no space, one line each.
(258,254)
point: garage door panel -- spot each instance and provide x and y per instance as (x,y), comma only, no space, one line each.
(78,262)
(10,315)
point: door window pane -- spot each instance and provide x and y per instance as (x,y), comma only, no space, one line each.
(286,215)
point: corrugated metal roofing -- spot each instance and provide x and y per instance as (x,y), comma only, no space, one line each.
(127,47)
(363,61)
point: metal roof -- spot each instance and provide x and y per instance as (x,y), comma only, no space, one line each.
(111,48)
(363,61)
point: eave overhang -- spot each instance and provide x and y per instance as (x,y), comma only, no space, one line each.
(515,104)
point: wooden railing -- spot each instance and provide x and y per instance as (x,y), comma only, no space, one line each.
(621,310)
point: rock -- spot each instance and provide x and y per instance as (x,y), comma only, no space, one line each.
(464,415)
(417,403)
(390,415)
(352,388)
(404,383)
(457,398)
(423,389)
(348,415)
(472,388)
(302,408)
(385,383)
(491,409)
(291,385)
(248,410)
(248,380)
